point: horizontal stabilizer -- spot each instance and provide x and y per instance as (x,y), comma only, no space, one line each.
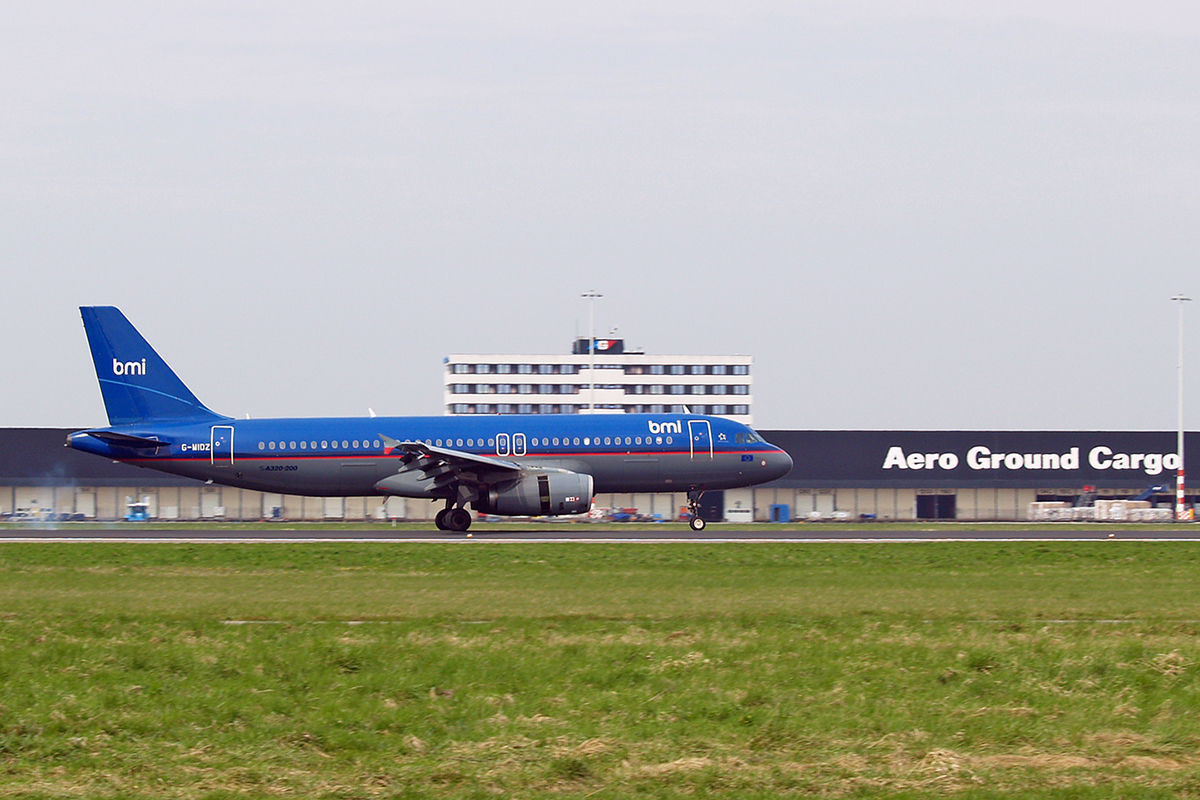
(125,440)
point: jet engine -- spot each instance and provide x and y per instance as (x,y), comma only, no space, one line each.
(539,494)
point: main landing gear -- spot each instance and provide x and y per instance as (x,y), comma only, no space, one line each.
(696,522)
(453,519)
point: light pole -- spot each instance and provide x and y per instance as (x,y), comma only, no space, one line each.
(1180,512)
(591,296)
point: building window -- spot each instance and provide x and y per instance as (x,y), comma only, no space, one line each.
(719,388)
(525,408)
(483,369)
(697,369)
(504,408)
(718,369)
(525,369)
(677,369)
(545,388)
(656,369)
(545,369)
(677,389)
(698,389)
(741,388)
(462,388)
(525,388)
(741,369)
(504,369)
(462,369)
(741,410)
(566,369)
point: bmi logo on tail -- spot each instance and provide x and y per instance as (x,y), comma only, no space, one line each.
(129,367)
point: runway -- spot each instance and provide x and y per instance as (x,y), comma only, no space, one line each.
(586,533)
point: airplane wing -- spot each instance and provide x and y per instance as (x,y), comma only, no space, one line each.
(450,468)
(420,450)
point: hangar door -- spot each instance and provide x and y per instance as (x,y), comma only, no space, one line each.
(936,506)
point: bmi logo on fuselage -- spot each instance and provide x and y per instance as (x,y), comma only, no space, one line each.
(665,427)
(129,367)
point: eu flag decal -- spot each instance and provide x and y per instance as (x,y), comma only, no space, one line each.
(747,458)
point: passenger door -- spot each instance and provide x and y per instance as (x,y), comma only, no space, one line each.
(700,438)
(221,446)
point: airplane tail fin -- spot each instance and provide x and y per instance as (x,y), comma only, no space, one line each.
(137,385)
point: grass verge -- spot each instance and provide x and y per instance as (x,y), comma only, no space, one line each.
(965,670)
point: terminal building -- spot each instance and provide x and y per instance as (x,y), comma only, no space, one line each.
(610,380)
(838,475)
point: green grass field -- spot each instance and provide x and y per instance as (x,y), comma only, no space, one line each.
(472,669)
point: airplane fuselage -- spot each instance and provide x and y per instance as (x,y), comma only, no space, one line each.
(351,456)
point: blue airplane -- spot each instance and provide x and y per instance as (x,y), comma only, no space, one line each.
(512,464)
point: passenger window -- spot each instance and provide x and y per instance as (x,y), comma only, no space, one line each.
(324,444)
(272,445)
(262,446)
(304,445)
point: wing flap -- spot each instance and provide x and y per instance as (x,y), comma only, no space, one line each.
(426,458)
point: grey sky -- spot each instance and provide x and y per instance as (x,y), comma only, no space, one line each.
(913,215)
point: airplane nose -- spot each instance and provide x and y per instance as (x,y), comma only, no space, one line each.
(778,464)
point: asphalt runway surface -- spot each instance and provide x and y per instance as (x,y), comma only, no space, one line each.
(585,533)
